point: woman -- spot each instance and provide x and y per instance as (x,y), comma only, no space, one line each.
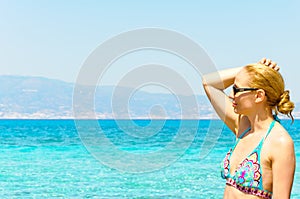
(261,164)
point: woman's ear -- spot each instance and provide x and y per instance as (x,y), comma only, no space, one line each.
(260,95)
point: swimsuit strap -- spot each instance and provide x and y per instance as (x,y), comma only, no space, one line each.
(244,133)
(239,138)
(258,149)
(269,130)
(248,129)
(276,118)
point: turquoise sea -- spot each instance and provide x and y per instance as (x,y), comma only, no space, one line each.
(48,159)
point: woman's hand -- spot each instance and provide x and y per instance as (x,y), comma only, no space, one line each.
(269,63)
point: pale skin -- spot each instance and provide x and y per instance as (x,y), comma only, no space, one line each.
(249,109)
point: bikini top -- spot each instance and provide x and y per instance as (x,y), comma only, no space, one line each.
(248,175)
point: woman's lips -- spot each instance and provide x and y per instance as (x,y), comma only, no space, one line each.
(234,104)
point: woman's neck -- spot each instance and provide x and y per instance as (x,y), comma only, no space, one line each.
(260,120)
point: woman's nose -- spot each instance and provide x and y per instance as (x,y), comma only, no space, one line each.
(231,95)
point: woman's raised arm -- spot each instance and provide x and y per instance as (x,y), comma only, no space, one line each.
(214,85)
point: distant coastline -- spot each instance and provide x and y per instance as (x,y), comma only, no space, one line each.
(26,97)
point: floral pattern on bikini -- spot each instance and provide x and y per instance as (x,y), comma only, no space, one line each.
(248,176)
(225,165)
(248,172)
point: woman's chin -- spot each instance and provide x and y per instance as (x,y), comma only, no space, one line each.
(235,110)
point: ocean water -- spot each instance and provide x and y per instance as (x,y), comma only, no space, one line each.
(128,159)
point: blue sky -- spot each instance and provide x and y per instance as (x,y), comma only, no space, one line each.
(53,38)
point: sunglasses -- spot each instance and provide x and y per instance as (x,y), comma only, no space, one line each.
(236,90)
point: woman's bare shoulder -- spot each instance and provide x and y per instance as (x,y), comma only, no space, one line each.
(280,135)
(280,141)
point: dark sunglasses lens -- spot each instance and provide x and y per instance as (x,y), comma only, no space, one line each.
(235,90)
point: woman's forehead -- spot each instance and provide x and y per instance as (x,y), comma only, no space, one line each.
(242,78)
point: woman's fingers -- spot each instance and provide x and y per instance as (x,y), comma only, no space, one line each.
(269,63)
(274,65)
(276,68)
(263,60)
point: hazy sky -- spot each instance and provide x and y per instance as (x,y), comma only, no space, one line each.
(53,38)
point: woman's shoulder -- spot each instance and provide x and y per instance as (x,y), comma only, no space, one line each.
(280,141)
(279,135)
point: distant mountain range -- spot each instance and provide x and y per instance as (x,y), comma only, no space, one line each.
(23,97)
(42,98)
